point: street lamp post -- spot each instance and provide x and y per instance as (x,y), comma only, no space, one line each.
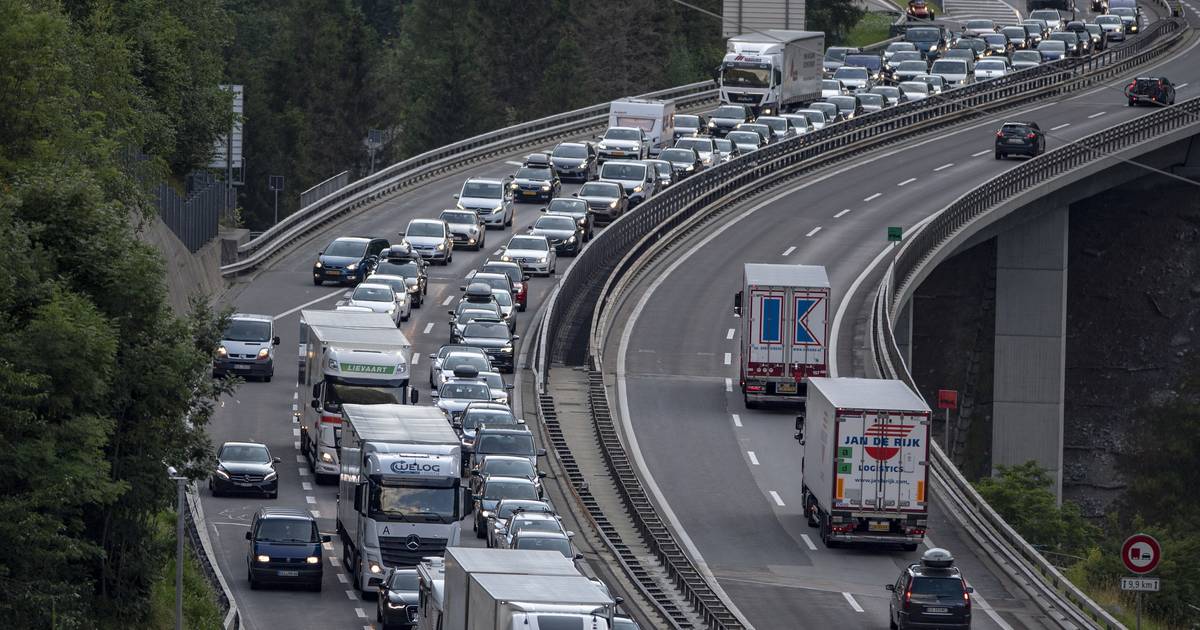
(180,486)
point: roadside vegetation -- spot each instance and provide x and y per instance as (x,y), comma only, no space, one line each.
(200,608)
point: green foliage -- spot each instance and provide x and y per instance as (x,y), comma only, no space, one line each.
(835,17)
(199,601)
(1023,495)
(873,27)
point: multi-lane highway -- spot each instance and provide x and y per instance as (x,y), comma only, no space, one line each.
(730,475)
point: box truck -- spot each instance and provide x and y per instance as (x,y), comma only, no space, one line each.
(784,311)
(399,495)
(772,71)
(865,457)
(499,601)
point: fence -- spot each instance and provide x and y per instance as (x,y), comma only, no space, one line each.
(196,218)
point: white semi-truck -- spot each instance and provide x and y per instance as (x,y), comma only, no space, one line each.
(355,358)
(772,71)
(865,461)
(399,496)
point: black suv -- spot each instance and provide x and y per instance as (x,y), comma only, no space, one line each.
(402,260)
(930,594)
(1020,138)
(347,259)
(1153,90)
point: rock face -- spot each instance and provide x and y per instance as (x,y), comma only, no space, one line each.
(1133,306)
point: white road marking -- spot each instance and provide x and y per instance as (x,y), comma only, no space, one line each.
(311,500)
(416,358)
(842,213)
(907,181)
(428,327)
(875,196)
(1062,126)
(943,167)
(304,485)
(304,472)
(981,153)
(514,163)
(1097,114)
(728,384)
(448,300)
(296,444)
(813,231)
(788,251)
(342,578)
(309,303)
(775,495)
(352,595)
(334,561)
(753,457)
(728,358)
(362,614)
(808,541)
(300,459)
(853,603)
(296,395)
(1181,85)
(737,420)
(316,513)
(296,432)
(729,334)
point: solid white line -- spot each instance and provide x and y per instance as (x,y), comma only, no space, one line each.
(853,603)
(304,472)
(428,327)
(753,457)
(728,384)
(311,500)
(300,459)
(351,595)
(416,358)
(362,614)
(737,420)
(775,495)
(808,541)
(309,303)
(1062,126)
(813,231)
(788,251)
(907,181)
(728,358)
(729,334)
(875,196)
(841,214)
(304,485)
(981,153)
(1181,85)
(448,300)
(1097,114)
(943,167)
(342,578)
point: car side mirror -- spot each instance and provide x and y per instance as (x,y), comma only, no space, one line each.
(275,341)
(542,209)
(570,534)
(249,536)
(432,355)
(433,395)
(413,397)
(456,195)
(456,425)
(508,386)
(476,497)
(516,337)
(970,589)
(462,288)
(541,474)
(574,194)
(524,278)
(316,404)
(890,587)
(737,304)
(541,452)
(451,313)
(321,253)
(579,556)
(276,460)
(326,538)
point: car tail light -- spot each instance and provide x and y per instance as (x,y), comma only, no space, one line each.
(966,597)
(999,134)
(908,597)
(914,531)
(1031,136)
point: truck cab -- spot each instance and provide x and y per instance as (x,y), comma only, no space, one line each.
(771,71)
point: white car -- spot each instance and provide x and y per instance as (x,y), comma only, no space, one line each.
(533,253)
(399,287)
(991,68)
(490,199)
(914,90)
(954,72)
(854,78)
(832,87)
(799,123)
(815,117)
(522,521)
(380,298)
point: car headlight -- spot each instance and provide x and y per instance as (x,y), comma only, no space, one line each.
(312,560)
(582,220)
(545,187)
(506,258)
(506,349)
(318,265)
(222,352)
(613,204)
(485,513)
(351,266)
(375,568)
(512,186)
(271,476)
(391,309)
(602,146)
(264,353)
(404,243)
(571,240)
(222,474)
(542,258)
(327,458)
(458,204)
(712,123)
(441,246)
(690,167)
(498,209)
(263,559)
(395,606)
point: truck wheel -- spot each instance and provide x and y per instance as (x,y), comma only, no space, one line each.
(749,404)
(808,512)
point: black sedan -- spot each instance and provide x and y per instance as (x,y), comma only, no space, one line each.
(398,598)
(563,232)
(606,200)
(245,468)
(574,160)
(685,162)
(576,208)
(495,338)
(532,183)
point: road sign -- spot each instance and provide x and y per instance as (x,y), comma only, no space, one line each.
(895,234)
(276,183)
(1140,553)
(947,399)
(1139,584)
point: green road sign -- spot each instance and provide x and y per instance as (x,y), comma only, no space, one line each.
(895,233)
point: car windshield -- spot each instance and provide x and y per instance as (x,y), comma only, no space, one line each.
(901,57)
(481,364)
(506,444)
(1050,15)
(1124,12)
(829,109)
(998,38)
(348,249)
(687,121)
(425,228)
(530,172)
(699,145)
(776,124)
(486,330)
(287,530)
(1108,19)
(895,47)
(990,64)
(364,293)
(622,134)
(979,25)
(1014,32)
(600,189)
(923,35)
(545,543)
(247,330)
(475,417)
(503,297)
(1053,44)
(729,111)
(947,586)
(459,217)
(623,171)
(403,581)
(555,223)
(831,84)
(748,75)
(406,502)
(569,206)
(723,145)
(398,284)
(508,467)
(683,156)
(910,87)
(1026,55)
(886,90)
(338,393)
(745,137)
(577,151)
(496,490)
(854,73)
(528,242)
(844,103)
(836,54)
(465,391)
(813,115)
(1093,29)
(871,99)
(948,66)
(912,66)
(488,190)
(662,168)
(249,453)
(407,269)
(467,315)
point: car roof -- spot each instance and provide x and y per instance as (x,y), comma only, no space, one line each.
(384,276)
(505,458)
(508,429)
(223,445)
(539,533)
(629,162)
(373,285)
(491,478)
(284,512)
(253,317)
(353,239)
(434,221)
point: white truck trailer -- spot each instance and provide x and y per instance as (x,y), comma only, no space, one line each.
(772,71)
(500,601)
(461,563)
(655,118)
(785,331)
(355,358)
(399,497)
(866,453)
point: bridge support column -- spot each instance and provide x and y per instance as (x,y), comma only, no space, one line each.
(1030,353)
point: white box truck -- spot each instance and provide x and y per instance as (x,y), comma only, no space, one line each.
(772,71)
(461,563)
(866,453)
(656,119)
(500,601)
(399,496)
(785,331)
(356,358)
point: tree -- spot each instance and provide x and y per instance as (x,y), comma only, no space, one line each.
(834,17)
(1022,496)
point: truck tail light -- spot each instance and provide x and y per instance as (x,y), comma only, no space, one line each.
(914,531)
(331,419)
(755,388)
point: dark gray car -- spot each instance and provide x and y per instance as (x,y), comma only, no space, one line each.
(577,208)
(574,160)
(563,232)
(606,200)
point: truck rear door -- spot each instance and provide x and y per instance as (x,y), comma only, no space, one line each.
(809,331)
(765,331)
(881,461)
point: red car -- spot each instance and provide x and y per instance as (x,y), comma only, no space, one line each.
(917,9)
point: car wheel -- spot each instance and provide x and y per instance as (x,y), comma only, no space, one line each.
(250,579)
(379,611)
(267,378)
(999,155)
(273,495)
(405,318)
(891,622)
(315,587)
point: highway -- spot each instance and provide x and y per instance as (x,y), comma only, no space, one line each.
(731,476)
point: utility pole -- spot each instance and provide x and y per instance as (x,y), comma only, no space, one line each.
(276,185)
(374,143)
(180,490)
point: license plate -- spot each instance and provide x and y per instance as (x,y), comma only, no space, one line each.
(334,272)
(244,484)
(786,388)
(528,193)
(241,366)
(936,609)
(297,573)
(618,153)
(878,526)
(1015,141)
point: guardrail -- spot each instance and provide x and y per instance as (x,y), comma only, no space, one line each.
(572,330)
(919,250)
(202,547)
(422,167)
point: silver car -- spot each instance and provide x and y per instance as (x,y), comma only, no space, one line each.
(832,87)
(954,72)
(815,117)
(991,68)
(400,288)
(746,141)
(533,253)
(855,78)
(914,90)
(466,228)
(456,393)
(704,147)
(490,199)
(450,356)
(430,238)
(380,298)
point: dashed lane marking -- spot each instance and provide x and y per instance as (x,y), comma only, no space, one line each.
(728,384)
(728,358)
(842,213)
(852,601)
(753,457)
(788,251)
(304,485)
(778,500)
(1097,114)
(943,167)
(875,196)
(362,614)
(907,181)
(296,445)
(513,163)
(813,231)
(448,300)
(300,459)
(342,578)
(428,327)
(416,358)
(737,420)
(311,500)
(729,334)
(334,561)
(352,596)
(296,432)
(1062,126)
(316,513)
(808,542)
(979,153)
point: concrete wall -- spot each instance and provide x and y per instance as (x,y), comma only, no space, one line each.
(187,274)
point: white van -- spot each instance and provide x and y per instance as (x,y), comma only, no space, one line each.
(655,118)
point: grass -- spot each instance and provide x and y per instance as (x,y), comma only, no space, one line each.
(873,27)
(200,608)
